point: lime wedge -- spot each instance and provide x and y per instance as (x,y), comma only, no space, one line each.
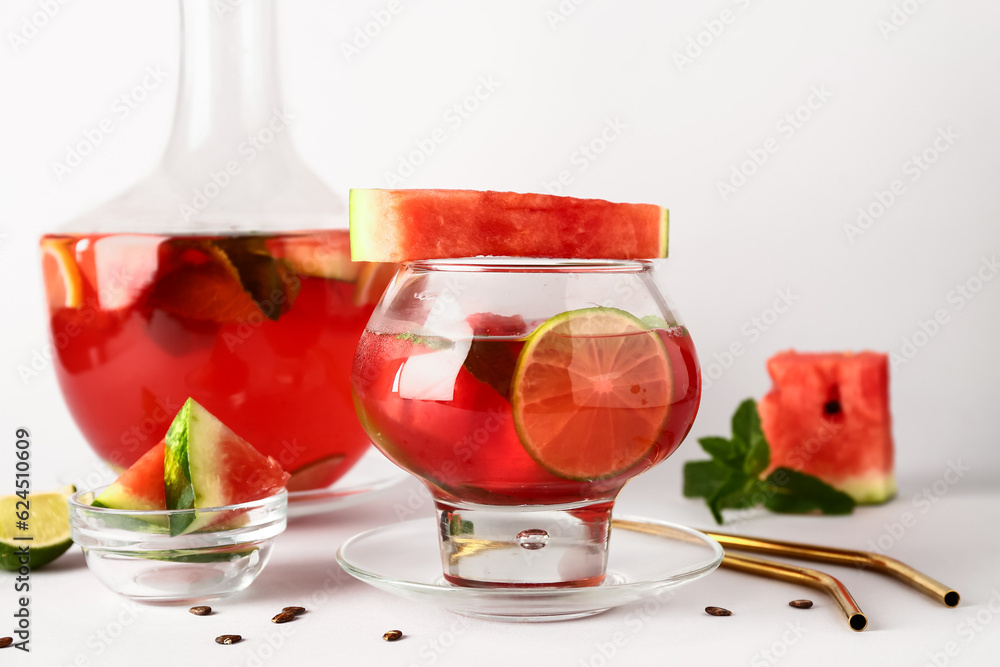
(591,392)
(48,528)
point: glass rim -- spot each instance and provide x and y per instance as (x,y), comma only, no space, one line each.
(76,503)
(506,264)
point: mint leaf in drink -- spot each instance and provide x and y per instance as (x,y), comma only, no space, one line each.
(270,281)
(424,341)
(732,478)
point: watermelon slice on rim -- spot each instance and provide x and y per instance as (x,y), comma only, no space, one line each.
(404,225)
(828,415)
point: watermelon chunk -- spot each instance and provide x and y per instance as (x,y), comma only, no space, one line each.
(828,415)
(404,225)
(140,487)
(207,465)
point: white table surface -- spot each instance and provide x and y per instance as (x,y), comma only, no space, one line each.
(75,621)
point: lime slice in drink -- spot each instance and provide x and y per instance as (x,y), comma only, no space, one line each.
(47,526)
(591,392)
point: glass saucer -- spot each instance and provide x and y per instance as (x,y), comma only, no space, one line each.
(372,475)
(640,565)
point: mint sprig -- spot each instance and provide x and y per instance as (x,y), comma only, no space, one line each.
(731,478)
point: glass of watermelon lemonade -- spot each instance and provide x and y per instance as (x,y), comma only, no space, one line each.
(525,393)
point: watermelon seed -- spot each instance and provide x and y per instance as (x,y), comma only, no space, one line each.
(295,610)
(6,641)
(200,611)
(832,407)
(284,617)
(718,611)
(228,639)
(801,604)
(393,635)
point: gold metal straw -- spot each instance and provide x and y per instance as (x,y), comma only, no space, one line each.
(859,559)
(805,576)
(799,575)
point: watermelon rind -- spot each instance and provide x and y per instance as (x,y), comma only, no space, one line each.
(188,482)
(329,258)
(872,489)
(366,210)
(665,233)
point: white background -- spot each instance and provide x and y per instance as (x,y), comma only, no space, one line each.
(689,116)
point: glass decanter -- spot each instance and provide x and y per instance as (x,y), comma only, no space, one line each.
(225,275)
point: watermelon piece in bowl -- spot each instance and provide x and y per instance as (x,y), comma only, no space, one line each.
(407,225)
(206,465)
(828,415)
(140,487)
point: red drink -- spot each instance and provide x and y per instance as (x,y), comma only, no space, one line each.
(449,419)
(261,330)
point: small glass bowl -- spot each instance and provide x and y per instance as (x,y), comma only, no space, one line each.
(134,554)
